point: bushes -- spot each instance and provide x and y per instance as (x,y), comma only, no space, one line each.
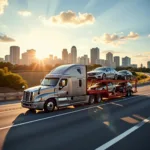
(11,80)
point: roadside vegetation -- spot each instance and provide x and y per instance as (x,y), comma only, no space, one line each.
(11,80)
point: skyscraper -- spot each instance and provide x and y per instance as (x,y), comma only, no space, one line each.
(74,54)
(29,57)
(94,55)
(84,60)
(126,61)
(109,58)
(148,64)
(7,58)
(14,54)
(65,56)
(69,58)
(117,61)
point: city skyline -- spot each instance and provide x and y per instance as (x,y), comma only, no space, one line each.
(53,25)
(29,57)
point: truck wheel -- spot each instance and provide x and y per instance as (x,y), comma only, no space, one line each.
(49,105)
(91,99)
(98,98)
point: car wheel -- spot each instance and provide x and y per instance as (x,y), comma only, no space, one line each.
(104,76)
(115,77)
(98,98)
(91,99)
(125,77)
(49,105)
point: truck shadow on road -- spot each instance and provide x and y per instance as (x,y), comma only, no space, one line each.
(113,118)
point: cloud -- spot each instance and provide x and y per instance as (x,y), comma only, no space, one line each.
(149,35)
(70,17)
(140,55)
(3,4)
(24,13)
(115,39)
(112,51)
(5,38)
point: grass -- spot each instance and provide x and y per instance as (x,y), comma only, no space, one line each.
(142,78)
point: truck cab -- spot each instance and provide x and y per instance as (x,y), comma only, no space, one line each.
(63,86)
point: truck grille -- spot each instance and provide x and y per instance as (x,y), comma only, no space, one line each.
(27,96)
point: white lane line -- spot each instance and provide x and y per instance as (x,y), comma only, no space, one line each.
(123,135)
(63,114)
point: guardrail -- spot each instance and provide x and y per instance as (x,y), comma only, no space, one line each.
(11,96)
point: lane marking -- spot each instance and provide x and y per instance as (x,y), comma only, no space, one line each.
(63,114)
(123,135)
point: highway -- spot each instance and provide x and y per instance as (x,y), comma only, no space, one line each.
(117,124)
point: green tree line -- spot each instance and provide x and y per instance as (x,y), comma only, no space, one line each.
(11,80)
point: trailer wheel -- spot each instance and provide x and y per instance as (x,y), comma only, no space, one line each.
(98,98)
(49,105)
(128,93)
(91,99)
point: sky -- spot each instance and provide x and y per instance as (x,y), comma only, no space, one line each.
(119,26)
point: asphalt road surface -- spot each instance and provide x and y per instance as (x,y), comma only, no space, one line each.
(118,124)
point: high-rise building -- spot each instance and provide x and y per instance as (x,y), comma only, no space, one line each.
(29,57)
(109,58)
(1,59)
(7,58)
(69,58)
(126,61)
(84,60)
(133,65)
(117,61)
(65,56)
(14,54)
(148,64)
(94,55)
(74,54)
(141,65)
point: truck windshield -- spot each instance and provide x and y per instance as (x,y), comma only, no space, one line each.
(50,81)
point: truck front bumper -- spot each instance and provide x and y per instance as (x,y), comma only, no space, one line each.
(33,105)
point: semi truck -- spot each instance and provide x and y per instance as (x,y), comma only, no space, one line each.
(68,85)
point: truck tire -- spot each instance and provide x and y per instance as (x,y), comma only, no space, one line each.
(98,98)
(91,99)
(49,105)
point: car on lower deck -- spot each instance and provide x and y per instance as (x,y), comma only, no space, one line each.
(103,73)
(103,86)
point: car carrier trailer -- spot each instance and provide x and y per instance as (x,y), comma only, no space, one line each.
(68,85)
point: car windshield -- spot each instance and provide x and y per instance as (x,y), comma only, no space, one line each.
(50,81)
(100,69)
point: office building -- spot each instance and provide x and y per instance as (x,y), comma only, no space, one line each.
(73,55)
(84,60)
(117,61)
(148,64)
(65,56)
(7,58)
(134,65)
(69,58)
(1,59)
(14,54)
(126,61)
(29,57)
(109,58)
(95,55)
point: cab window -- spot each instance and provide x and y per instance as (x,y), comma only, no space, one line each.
(63,82)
